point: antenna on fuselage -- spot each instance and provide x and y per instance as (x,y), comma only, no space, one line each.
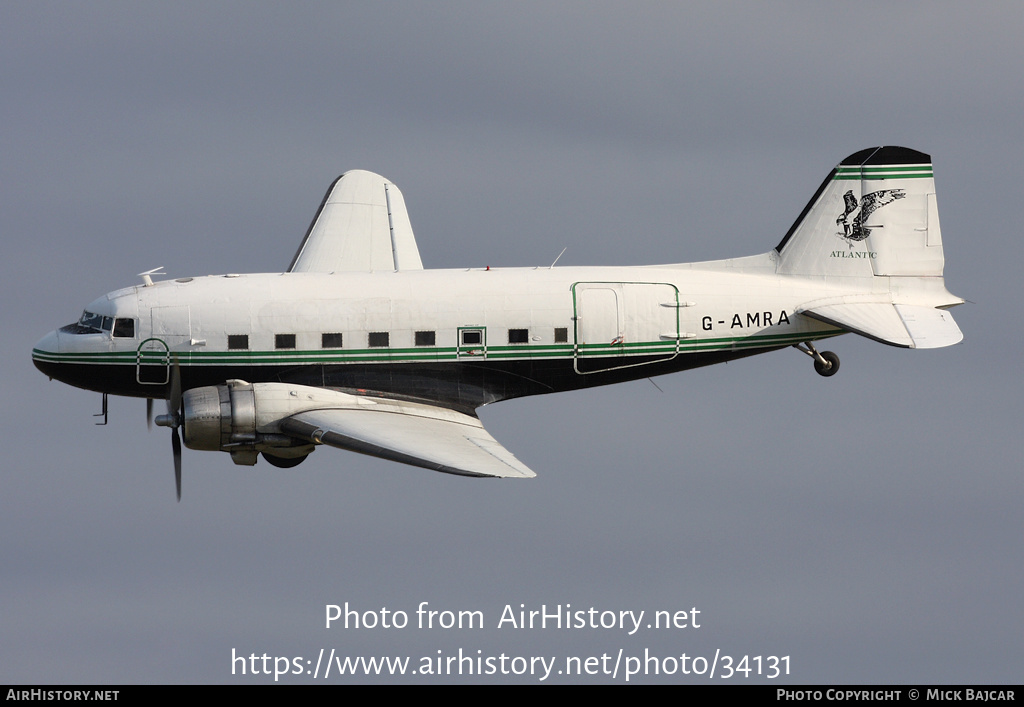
(559,256)
(147,281)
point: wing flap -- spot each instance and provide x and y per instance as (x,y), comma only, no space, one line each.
(906,325)
(411,433)
(362,225)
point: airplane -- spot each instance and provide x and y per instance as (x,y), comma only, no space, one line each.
(357,346)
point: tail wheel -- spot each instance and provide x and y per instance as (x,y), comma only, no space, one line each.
(827,364)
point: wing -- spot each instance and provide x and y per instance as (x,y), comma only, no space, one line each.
(411,433)
(361,225)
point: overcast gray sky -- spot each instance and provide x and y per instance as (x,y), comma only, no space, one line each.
(867,525)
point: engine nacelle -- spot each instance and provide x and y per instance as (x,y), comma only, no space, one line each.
(244,418)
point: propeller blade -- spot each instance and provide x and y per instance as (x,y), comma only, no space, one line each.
(149,413)
(173,419)
(174,402)
(176,446)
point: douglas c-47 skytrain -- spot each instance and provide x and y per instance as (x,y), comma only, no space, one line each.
(357,346)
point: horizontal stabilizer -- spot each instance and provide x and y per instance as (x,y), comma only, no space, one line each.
(427,436)
(906,325)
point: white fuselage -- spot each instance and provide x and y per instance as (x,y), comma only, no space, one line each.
(547,328)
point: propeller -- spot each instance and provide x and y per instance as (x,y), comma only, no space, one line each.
(173,420)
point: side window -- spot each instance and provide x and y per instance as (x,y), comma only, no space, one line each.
(284,341)
(330,341)
(472,341)
(426,338)
(561,335)
(238,341)
(518,336)
(124,328)
(379,339)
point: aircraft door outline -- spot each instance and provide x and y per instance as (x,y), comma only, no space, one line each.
(615,322)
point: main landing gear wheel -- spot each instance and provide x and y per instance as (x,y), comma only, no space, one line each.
(829,367)
(826,363)
(284,462)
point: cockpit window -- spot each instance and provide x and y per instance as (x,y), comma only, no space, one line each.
(124,328)
(92,323)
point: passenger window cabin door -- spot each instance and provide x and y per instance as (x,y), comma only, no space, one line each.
(624,324)
(170,330)
(472,342)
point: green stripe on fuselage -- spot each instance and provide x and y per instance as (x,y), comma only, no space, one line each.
(445,354)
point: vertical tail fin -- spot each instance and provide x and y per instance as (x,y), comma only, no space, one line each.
(875,214)
(874,218)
